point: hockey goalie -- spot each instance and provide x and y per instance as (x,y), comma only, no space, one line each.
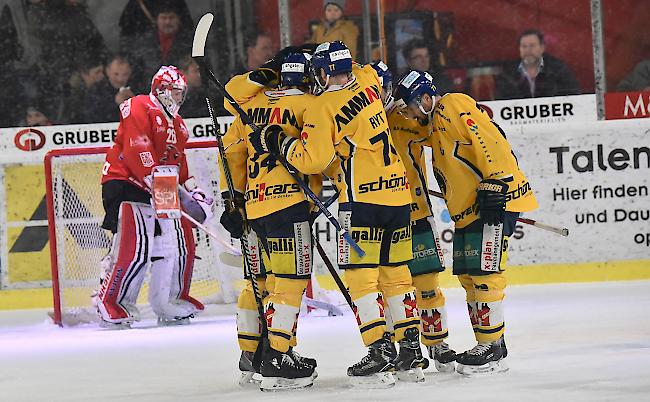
(145,184)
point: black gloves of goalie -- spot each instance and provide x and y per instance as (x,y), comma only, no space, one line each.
(268,140)
(232,219)
(268,74)
(491,198)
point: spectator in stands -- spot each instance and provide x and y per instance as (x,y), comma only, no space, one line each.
(65,31)
(194,104)
(102,101)
(167,45)
(11,51)
(418,57)
(335,26)
(638,79)
(138,18)
(37,114)
(259,48)
(537,74)
(90,72)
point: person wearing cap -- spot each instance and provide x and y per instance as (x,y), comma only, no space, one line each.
(335,26)
(485,191)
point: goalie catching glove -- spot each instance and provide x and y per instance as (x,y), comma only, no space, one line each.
(196,202)
(232,219)
(491,198)
(271,139)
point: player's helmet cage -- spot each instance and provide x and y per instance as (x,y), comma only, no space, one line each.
(333,58)
(411,88)
(386,80)
(169,86)
(295,70)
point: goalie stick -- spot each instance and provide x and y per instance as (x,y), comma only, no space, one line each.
(198,53)
(532,222)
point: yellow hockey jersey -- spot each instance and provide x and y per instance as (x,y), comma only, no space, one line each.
(242,90)
(267,185)
(346,128)
(467,148)
(410,138)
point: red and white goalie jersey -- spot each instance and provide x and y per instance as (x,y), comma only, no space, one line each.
(146,137)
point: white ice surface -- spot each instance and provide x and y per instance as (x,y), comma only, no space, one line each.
(569,342)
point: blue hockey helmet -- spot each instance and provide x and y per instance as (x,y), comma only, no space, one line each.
(411,88)
(295,70)
(386,80)
(332,57)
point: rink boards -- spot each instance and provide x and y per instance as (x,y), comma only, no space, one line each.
(589,176)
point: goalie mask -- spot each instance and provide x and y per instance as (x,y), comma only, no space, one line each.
(412,87)
(169,87)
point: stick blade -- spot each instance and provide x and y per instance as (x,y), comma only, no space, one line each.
(201,35)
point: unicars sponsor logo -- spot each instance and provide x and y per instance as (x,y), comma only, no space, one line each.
(29,139)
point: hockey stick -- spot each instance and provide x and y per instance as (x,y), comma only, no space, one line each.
(532,222)
(198,55)
(198,51)
(330,267)
(227,246)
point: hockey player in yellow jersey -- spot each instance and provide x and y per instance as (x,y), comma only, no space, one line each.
(279,213)
(409,139)
(485,192)
(345,134)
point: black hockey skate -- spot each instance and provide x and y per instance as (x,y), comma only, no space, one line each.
(281,371)
(483,358)
(410,361)
(443,357)
(374,370)
(309,361)
(248,373)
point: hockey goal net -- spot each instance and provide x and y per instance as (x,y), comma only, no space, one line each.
(78,243)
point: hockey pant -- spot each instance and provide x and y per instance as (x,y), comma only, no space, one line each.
(135,245)
(480,255)
(286,235)
(374,289)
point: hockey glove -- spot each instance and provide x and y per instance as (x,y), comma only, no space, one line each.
(196,202)
(232,219)
(268,74)
(491,198)
(268,140)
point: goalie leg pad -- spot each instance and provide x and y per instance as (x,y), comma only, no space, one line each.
(248,318)
(282,311)
(489,292)
(433,313)
(133,239)
(397,288)
(367,302)
(171,274)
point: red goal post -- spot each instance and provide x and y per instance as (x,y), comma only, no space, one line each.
(77,241)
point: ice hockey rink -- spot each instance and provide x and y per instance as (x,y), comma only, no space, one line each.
(567,342)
